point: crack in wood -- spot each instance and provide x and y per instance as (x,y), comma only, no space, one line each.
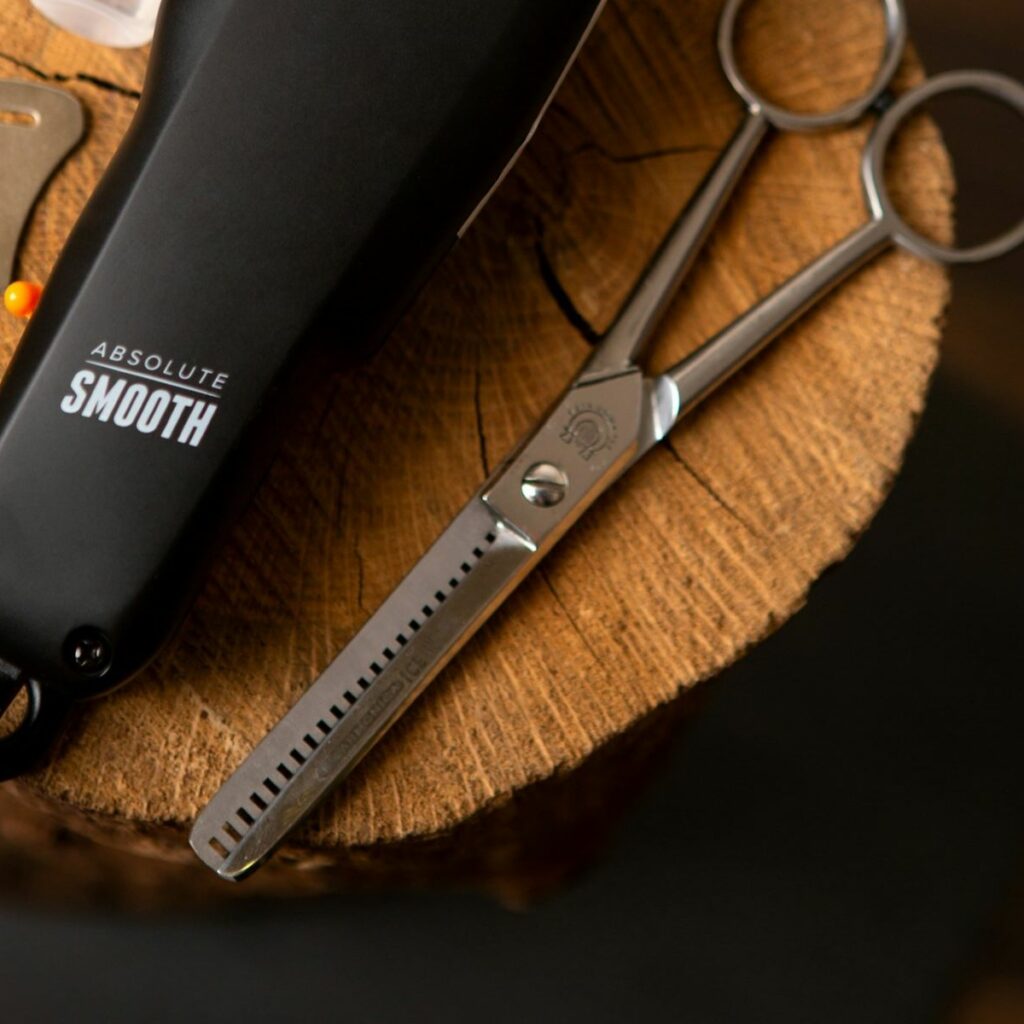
(566,304)
(78,76)
(573,625)
(583,327)
(642,156)
(478,408)
(360,577)
(706,486)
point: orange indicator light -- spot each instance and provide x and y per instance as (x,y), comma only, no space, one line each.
(21,298)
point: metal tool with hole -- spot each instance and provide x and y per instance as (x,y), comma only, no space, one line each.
(609,417)
(32,146)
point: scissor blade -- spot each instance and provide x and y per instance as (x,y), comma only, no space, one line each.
(450,593)
(587,440)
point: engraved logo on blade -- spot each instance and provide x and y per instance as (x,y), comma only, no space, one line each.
(381,702)
(591,429)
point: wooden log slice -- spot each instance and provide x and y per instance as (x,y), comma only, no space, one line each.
(516,758)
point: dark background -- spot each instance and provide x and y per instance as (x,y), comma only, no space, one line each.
(839,836)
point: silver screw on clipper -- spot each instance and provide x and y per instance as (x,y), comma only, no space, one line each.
(544,485)
(90,652)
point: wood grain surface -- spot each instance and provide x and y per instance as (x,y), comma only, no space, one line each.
(709,545)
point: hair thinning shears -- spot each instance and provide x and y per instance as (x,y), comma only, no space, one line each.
(608,418)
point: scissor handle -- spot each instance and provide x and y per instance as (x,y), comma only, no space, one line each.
(989,83)
(706,369)
(639,317)
(794,121)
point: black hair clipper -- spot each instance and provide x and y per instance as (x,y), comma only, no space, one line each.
(128,416)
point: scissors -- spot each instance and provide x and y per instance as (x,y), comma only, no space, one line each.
(607,419)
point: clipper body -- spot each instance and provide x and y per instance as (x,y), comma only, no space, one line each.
(295,168)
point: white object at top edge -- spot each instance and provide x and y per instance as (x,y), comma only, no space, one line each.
(120,23)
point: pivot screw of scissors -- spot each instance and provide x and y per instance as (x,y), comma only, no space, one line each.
(544,485)
(89,651)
